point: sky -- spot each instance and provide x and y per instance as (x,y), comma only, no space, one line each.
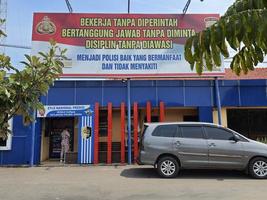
(20,14)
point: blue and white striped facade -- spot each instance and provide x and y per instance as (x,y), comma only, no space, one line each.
(86,146)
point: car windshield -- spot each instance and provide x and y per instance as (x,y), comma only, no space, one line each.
(240,135)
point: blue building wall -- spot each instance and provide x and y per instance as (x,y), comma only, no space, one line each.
(21,143)
(174,93)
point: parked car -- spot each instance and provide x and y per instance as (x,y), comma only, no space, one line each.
(171,147)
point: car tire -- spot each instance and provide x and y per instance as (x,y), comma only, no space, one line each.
(258,168)
(168,167)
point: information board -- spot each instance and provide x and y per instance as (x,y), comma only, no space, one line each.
(121,45)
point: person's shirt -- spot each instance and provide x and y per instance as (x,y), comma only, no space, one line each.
(65,136)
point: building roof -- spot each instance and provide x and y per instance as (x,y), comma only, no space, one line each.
(257,73)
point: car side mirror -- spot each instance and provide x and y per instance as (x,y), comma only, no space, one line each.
(235,138)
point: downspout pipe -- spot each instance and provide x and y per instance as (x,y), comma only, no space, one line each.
(129,121)
(33,138)
(218,101)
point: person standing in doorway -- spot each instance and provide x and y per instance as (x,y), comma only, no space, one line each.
(65,144)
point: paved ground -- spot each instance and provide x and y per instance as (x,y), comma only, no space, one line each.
(124,182)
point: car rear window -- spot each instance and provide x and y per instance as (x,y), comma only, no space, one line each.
(195,132)
(165,131)
(144,131)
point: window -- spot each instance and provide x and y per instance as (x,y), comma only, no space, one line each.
(103,123)
(6,144)
(192,132)
(191,118)
(154,118)
(165,131)
(218,133)
(2,142)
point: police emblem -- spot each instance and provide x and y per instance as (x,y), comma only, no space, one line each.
(209,21)
(46,26)
(86,132)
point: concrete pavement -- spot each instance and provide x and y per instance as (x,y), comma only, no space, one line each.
(125,182)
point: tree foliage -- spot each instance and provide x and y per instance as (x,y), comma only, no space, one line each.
(243,27)
(20,91)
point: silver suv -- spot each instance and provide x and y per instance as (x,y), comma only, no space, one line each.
(192,145)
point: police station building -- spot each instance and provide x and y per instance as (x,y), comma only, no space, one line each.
(123,71)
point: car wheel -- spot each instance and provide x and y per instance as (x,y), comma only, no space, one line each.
(168,167)
(258,168)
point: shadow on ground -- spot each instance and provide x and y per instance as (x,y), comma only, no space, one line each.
(186,174)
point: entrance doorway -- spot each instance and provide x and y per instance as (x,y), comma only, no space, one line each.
(249,122)
(79,120)
(51,137)
(56,126)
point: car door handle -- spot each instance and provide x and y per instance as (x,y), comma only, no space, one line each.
(212,145)
(177,143)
